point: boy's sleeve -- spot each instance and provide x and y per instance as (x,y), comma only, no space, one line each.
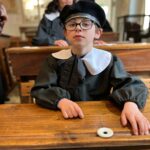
(126,87)
(46,90)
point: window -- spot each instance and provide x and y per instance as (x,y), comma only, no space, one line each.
(147,12)
(34,9)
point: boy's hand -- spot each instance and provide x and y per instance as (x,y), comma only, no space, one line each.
(139,123)
(60,43)
(70,109)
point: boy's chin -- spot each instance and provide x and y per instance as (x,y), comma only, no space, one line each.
(79,44)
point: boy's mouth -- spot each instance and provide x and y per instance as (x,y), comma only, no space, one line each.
(78,37)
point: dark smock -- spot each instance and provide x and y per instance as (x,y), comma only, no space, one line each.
(70,79)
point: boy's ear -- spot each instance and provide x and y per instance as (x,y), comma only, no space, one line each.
(98,33)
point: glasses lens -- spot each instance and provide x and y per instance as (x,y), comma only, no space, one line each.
(86,24)
(70,25)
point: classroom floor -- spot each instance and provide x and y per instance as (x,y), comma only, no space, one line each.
(13,96)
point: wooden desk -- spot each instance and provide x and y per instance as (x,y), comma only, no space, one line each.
(28,126)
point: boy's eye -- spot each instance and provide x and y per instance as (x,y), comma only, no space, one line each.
(71,24)
(86,24)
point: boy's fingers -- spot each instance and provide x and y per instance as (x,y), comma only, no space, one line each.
(74,112)
(79,111)
(69,113)
(146,124)
(81,115)
(123,119)
(61,43)
(141,126)
(146,132)
(64,43)
(134,125)
(65,114)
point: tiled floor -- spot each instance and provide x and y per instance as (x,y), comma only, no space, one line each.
(13,96)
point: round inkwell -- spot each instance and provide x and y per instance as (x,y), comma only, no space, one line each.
(105,132)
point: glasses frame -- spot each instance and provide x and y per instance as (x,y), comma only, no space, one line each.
(80,24)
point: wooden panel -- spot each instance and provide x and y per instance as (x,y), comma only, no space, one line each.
(28,126)
(29,60)
(109,36)
(26,87)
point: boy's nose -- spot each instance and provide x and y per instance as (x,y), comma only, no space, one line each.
(78,27)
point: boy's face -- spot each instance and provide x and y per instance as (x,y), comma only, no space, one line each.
(81,32)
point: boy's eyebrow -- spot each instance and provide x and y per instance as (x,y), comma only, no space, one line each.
(82,19)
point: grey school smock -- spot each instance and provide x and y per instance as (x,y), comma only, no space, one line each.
(88,78)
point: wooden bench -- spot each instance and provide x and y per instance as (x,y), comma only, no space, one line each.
(110,36)
(4,68)
(26,62)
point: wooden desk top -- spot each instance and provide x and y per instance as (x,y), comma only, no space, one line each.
(111,47)
(28,126)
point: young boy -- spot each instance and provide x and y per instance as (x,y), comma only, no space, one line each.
(85,73)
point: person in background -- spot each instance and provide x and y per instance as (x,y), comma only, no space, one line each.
(85,73)
(50,29)
(3,19)
(3,16)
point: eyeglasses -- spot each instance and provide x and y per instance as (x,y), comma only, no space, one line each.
(84,24)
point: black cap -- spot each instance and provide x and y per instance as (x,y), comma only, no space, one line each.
(84,9)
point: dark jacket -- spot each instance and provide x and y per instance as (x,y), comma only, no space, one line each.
(48,32)
(70,79)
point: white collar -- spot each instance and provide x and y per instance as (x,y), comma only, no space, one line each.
(52,16)
(96,60)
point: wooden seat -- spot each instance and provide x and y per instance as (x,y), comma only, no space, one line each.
(4,67)
(109,36)
(26,62)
